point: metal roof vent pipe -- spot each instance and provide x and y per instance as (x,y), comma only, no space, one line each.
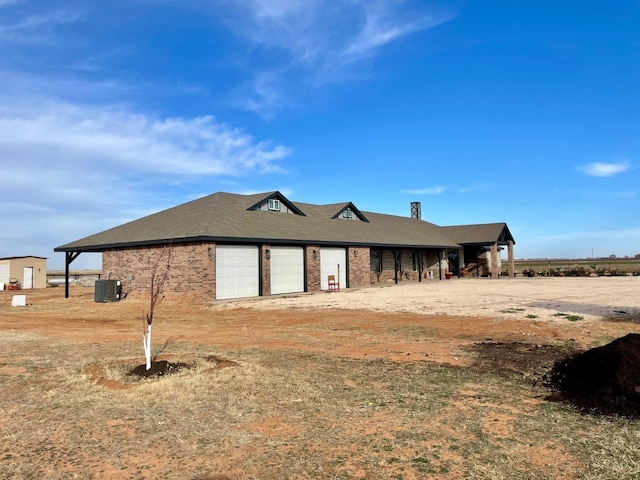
(416,210)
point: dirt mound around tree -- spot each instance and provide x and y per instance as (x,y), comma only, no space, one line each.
(604,380)
(158,369)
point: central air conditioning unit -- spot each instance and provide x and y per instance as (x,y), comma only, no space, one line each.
(108,291)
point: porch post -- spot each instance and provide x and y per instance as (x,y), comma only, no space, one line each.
(395,265)
(67,261)
(68,258)
(494,260)
(512,264)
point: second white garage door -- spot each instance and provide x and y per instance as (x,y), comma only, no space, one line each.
(237,271)
(287,270)
(330,258)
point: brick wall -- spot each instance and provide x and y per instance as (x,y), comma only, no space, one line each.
(359,266)
(193,268)
(191,272)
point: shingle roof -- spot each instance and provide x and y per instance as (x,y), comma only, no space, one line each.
(23,256)
(224,217)
(484,233)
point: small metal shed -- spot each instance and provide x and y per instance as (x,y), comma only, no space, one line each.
(23,273)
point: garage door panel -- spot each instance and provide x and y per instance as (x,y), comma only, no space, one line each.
(287,270)
(237,271)
(330,258)
(4,272)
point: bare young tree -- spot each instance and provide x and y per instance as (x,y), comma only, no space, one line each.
(159,275)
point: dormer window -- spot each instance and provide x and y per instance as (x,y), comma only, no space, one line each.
(347,213)
(274,204)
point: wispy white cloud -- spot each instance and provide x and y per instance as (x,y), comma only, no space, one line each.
(318,43)
(119,138)
(601,169)
(478,187)
(71,170)
(383,25)
(37,28)
(6,3)
(435,190)
(265,96)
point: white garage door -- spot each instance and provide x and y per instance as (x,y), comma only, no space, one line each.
(237,271)
(287,270)
(330,258)
(4,272)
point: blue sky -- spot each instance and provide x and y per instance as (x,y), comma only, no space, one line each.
(484,111)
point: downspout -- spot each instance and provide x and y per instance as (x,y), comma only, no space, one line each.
(346,269)
(304,268)
(260,272)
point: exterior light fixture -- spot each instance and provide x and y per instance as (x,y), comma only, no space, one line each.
(267,254)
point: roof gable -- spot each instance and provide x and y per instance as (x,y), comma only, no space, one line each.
(266,202)
(348,211)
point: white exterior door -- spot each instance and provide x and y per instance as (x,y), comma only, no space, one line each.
(287,270)
(27,278)
(332,260)
(237,271)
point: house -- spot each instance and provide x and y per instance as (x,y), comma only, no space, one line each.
(230,246)
(23,273)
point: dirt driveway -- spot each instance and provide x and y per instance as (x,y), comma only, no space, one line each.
(446,315)
(53,347)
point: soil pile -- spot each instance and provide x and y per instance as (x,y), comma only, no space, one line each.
(158,369)
(603,380)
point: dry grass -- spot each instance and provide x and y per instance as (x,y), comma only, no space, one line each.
(288,414)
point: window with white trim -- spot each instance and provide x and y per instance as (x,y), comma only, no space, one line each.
(274,204)
(347,213)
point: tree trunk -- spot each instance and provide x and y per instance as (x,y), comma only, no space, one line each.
(146,343)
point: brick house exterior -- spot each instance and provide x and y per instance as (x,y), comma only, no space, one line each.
(225,245)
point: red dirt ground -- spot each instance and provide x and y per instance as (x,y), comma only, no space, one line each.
(502,345)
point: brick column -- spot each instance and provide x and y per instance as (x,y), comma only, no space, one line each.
(512,264)
(266,269)
(494,261)
(313,268)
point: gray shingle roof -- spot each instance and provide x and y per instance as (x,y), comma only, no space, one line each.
(484,233)
(224,217)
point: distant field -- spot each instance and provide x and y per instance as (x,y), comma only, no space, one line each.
(578,267)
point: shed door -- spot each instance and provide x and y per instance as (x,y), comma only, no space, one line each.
(237,271)
(330,258)
(287,270)
(27,278)
(4,272)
